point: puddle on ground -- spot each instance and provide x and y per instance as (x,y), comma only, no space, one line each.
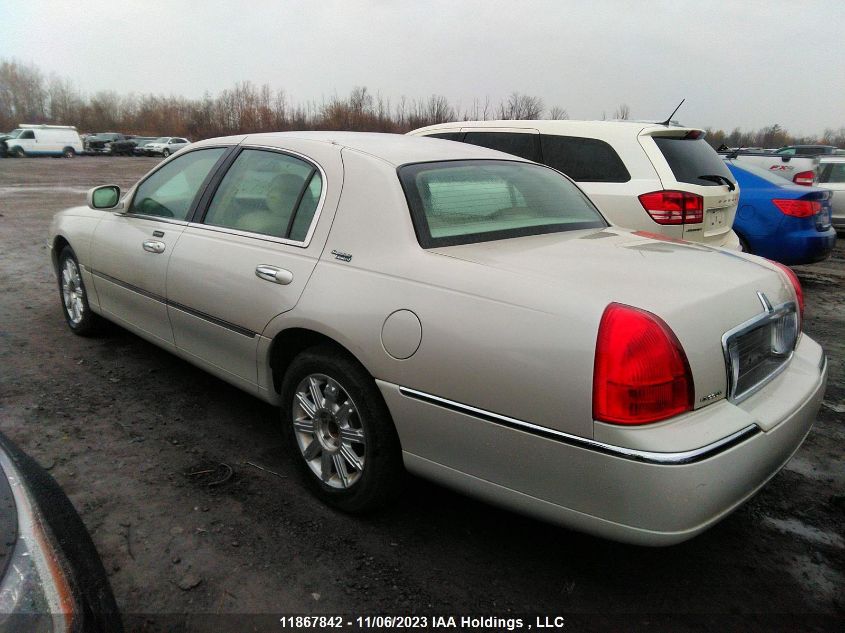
(806,532)
(822,583)
(25,190)
(819,471)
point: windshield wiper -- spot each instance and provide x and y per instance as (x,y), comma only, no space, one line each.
(719,180)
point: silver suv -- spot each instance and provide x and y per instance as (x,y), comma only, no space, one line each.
(165,146)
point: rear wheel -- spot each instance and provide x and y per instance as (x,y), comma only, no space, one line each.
(74,297)
(340,430)
(165,152)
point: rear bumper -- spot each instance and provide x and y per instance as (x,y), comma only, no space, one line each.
(615,496)
(796,247)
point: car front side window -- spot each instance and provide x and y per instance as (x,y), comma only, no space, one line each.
(269,193)
(170,191)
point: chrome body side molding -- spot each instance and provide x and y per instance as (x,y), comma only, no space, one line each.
(649,457)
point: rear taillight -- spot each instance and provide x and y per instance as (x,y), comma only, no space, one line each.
(673,207)
(804,178)
(798,208)
(641,373)
(796,285)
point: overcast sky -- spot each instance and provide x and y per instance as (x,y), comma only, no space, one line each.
(738,63)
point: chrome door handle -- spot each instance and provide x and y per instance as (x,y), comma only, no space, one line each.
(276,275)
(153,246)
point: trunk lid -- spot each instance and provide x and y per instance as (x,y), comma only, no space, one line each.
(701,292)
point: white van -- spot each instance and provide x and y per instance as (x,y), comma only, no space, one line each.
(44,140)
(643,176)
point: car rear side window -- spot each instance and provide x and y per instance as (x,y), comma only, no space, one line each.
(170,191)
(524,145)
(269,193)
(693,161)
(832,173)
(462,202)
(583,159)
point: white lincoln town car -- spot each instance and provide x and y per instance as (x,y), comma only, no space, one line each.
(462,314)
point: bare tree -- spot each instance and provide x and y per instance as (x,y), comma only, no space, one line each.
(479,111)
(622,113)
(558,114)
(519,106)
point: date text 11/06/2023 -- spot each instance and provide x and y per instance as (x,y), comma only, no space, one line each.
(496,623)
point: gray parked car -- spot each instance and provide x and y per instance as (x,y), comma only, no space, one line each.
(462,313)
(832,176)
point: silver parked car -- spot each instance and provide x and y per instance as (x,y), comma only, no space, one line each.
(460,313)
(165,146)
(832,176)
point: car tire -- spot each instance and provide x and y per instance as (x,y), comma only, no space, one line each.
(74,296)
(340,431)
(18,152)
(165,152)
(68,152)
(743,245)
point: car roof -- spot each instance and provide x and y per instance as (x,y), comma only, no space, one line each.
(564,126)
(396,149)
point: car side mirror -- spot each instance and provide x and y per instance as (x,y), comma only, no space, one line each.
(105,197)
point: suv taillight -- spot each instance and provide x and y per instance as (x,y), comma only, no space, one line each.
(673,207)
(798,208)
(804,178)
(641,374)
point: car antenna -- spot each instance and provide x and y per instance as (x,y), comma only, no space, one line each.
(669,120)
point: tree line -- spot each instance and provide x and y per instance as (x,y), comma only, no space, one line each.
(28,96)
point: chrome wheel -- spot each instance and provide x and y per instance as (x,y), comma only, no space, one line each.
(328,431)
(72,292)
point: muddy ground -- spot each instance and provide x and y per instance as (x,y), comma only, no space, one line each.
(130,432)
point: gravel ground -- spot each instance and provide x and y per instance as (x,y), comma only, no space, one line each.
(130,432)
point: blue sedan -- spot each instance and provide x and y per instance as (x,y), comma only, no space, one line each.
(782,221)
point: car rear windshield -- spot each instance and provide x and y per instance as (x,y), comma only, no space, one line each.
(468,201)
(693,160)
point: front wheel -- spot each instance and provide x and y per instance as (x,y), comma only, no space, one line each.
(68,152)
(78,314)
(165,153)
(340,431)
(18,152)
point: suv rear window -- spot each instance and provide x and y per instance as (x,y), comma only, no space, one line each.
(583,159)
(448,136)
(468,201)
(693,161)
